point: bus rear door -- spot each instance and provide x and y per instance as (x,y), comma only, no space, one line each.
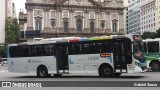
(120,62)
(62,58)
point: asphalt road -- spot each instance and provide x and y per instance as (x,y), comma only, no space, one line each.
(147,76)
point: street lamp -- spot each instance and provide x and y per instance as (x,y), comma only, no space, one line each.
(53,24)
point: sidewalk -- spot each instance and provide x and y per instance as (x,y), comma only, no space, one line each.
(3,69)
(3,66)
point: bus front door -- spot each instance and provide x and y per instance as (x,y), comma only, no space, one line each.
(120,63)
(62,59)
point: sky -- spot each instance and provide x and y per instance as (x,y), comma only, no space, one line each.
(19,4)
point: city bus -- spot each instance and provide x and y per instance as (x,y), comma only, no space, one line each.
(152,50)
(105,56)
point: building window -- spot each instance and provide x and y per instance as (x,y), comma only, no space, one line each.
(102,24)
(79,25)
(38,23)
(53,23)
(114,25)
(78,1)
(92,25)
(91,15)
(65,24)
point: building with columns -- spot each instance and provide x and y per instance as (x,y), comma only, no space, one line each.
(63,18)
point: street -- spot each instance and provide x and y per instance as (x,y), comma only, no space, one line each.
(147,76)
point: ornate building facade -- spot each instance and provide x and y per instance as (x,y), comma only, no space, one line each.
(63,18)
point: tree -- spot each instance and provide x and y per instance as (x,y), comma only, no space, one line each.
(3,51)
(158,33)
(12,32)
(149,35)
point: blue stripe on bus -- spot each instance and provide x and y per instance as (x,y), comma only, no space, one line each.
(71,61)
(54,57)
(109,58)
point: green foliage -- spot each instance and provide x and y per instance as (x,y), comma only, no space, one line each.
(3,51)
(149,35)
(12,32)
(158,33)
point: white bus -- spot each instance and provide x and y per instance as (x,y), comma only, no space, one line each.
(105,56)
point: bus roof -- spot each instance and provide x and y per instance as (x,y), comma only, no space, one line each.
(70,39)
(32,43)
(151,40)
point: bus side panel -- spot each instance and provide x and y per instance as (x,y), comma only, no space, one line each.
(87,63)
(17,65)
(30,64)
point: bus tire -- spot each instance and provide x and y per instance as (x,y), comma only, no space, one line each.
(106,71)
(155,66)
(42,72)
(117,74)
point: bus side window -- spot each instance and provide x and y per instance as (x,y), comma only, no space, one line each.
(93,47)
(49,50)
(153,47)
(99,47)
(72,49)
(26,51)
(18,51)
(106,47)
(76,48)
(86,48)
(11,50)
(15,51)
(145,47)
(37,50)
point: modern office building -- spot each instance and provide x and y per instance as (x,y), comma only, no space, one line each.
(148,16)
(61,18)
(126,4)
(7,10)
(11,11)
(134,17)
(158,13)
(2,21)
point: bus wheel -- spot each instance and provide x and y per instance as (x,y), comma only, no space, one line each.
(106,71)
(155,66)
(117,74)
(42,72)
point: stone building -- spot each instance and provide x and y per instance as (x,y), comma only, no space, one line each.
(22,23)
(63,18)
